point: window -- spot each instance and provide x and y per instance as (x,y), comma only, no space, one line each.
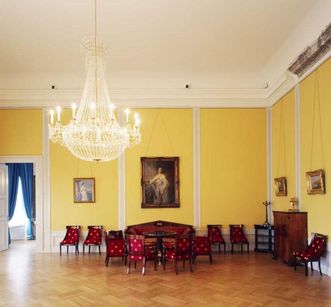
(19,218)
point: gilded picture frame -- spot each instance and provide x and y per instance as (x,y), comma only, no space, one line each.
(160,182)
(315,182)
(280,186)
(84,190)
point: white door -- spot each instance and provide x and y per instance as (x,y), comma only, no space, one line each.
(3,207)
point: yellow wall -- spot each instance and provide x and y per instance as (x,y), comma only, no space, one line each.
(21,132)
(233,166)
(165,133)
(317,206)
(283,149)
(64,167)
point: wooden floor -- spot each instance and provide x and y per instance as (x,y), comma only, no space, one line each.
(33,279)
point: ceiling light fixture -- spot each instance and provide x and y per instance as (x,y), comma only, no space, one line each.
(93,133)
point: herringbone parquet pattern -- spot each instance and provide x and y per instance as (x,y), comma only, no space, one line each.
(31,279)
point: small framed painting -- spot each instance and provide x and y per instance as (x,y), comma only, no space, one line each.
(315,182)
(160,182)
(280,186)
(84,190)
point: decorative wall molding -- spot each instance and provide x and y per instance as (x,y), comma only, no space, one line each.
(313,53)
(196,167)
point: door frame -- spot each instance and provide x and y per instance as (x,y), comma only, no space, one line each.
(42,210)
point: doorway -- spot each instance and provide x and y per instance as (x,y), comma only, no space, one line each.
(39,212)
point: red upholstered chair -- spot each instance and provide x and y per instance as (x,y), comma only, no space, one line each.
(312,253)
(237,236)
(139,251)
(215,235)
(94,238)
(71,238)
(202,247)
(180,251)
(115,245)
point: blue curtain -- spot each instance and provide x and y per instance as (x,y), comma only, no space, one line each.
(13,174)
(26,175)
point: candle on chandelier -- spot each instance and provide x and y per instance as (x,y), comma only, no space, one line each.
(51,113)
(136,120)
(58,110)
(92,106)
(137,123)
(112,107)
(127,112)
(74,106)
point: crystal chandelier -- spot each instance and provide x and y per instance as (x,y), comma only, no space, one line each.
(93,133)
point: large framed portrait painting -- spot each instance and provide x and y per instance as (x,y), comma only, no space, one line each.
(160,182)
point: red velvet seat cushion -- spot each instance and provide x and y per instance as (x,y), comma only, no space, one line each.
(138,251)
(93,237)
(237,235)
(216,236)
(314,249)
(71,237)
(181,252)
(116,248)
(201,246)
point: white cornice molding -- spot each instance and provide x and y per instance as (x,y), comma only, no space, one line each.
(146,98)
(163,97)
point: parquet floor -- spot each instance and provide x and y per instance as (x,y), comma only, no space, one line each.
(32,279)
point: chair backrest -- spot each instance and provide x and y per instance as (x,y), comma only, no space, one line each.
(184,244)
(236,231)
(214,232)
(317,245)
(115,246)
(116,234)
(201,245)
(95,233)
(72,233)
(136,244)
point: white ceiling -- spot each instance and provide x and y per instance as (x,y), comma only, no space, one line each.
(157,43)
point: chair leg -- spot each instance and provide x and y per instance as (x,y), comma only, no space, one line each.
(60,250)
(77,249)
(144,266)
(306,268)
(190,263)
(231,248)
(311,267)
(67,249)
(107,260)
(319,266)
(89,249)
(99,249)
(224,248)
(129,267)
(219,247)
(83,249)
(210,258)
(295,263)
(176,269)
(247,248)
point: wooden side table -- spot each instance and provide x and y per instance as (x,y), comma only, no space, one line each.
(264,238)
